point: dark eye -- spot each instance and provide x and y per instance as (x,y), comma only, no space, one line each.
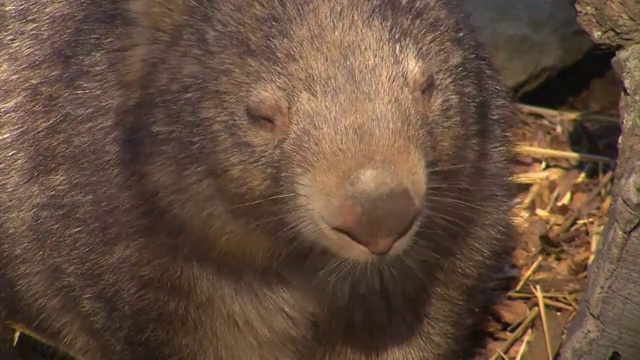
(424,89)
(262,121)
(428,88)
(267,110)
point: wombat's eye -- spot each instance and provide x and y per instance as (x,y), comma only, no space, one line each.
(424,88)
(268,111)
(262,121)
(428,88)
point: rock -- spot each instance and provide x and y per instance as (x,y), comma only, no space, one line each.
(612,22)
(529,40)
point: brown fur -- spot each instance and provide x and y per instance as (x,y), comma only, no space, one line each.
(148,212)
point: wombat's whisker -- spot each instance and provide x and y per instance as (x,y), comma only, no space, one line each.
(456,186)
(444,219)
(458,166)
(268,220)
(457,201)
(275,197)
(288,231)
(422,230)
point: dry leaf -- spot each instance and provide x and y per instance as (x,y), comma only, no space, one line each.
(511,312)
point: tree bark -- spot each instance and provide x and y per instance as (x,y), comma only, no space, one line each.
(607,325)
(610,22)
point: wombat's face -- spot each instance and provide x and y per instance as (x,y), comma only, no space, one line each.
(351,172)
(346,144)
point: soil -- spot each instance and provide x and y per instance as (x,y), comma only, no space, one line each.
(562,207)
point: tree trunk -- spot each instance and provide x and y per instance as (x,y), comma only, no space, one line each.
(607,325)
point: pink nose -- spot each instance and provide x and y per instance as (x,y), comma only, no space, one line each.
(373,218)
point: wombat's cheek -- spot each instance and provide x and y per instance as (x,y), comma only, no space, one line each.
(375,213)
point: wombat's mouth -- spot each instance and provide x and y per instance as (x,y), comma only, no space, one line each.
(343,244)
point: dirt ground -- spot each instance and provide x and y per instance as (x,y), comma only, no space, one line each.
(566,155)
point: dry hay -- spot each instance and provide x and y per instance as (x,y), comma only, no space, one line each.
(561,210)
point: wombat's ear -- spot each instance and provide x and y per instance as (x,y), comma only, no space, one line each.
(268,111)
(423,89)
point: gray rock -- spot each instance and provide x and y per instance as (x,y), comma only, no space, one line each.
(612,22)
(529,40)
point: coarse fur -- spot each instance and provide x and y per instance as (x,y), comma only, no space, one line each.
(146,213)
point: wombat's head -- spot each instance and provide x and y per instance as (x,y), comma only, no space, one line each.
(319,125)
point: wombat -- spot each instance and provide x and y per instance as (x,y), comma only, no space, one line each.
(250,179)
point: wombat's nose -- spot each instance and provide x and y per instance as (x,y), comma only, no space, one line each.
(376,213)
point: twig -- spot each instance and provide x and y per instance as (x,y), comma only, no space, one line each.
(543,317)
(542,152)
(530,178)
(558,305)
(553,303)
(526,324)
(520,295)
(528,274)
(567,115)
(569,235)
(523,347)
(592,195)
(531,195)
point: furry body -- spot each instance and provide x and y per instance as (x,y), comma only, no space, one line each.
(144,217)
